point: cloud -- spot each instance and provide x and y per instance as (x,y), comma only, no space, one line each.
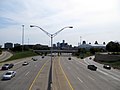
(6,22)
(87,17)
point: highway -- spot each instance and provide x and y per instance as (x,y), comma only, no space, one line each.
(81,78)
(26,75)
(67,75)
(5,55)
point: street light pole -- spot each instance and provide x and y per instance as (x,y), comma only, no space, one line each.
(51,36)
(51,45)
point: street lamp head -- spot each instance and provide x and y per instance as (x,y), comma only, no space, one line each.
(31,25)
(70,26)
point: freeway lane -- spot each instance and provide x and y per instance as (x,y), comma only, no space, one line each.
(82,78)
(67,75)
(26,75)
(112,72)
(5,55)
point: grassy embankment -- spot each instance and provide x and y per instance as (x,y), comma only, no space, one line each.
(115,64)
(18,55)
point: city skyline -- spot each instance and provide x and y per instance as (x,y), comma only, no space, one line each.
(57,44)
(92,20)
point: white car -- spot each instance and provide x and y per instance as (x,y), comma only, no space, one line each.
(25,63)
(9,75)
(107,66)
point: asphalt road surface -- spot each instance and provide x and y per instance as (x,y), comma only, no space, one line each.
(25,76)
(81,78)
(5,55)
(67,75)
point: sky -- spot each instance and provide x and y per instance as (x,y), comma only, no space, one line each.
(92,20)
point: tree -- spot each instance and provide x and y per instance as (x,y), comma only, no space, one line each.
(96,42)
(0,49)
(103,43)
(0,46)
(113,47)
(17,48)
(89,42)
(84,42)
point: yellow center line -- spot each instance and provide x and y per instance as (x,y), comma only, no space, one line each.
(37,76)
(65,76)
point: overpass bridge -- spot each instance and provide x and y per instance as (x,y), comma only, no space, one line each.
(56,51)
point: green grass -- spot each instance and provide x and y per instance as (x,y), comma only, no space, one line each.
(19,55)
(115,64)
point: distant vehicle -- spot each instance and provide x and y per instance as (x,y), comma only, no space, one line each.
(42,56)
(8,75)
(25,63)
(107,66)
(34,59)
(90,58)
(92,67)
(52,55)
(81,57)
(69,58)
(7,66)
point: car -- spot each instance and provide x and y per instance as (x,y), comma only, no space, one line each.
(92,67)
(34,59)
(42,56)
(69,58)
(107,66)
(81,57)
(7,66)
(8,75)
(90,58)
(25,63)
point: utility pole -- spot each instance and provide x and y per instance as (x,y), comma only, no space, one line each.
(80,40)
(22,38)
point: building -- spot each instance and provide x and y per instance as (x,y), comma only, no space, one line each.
(8,45)
(88,46)
(63,45)
(16,45)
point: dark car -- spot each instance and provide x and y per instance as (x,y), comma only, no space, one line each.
(81,57)
(42,56)
(90,58)
(69,58)
(7,66)
(92,67)
(34,59)
(107,66)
